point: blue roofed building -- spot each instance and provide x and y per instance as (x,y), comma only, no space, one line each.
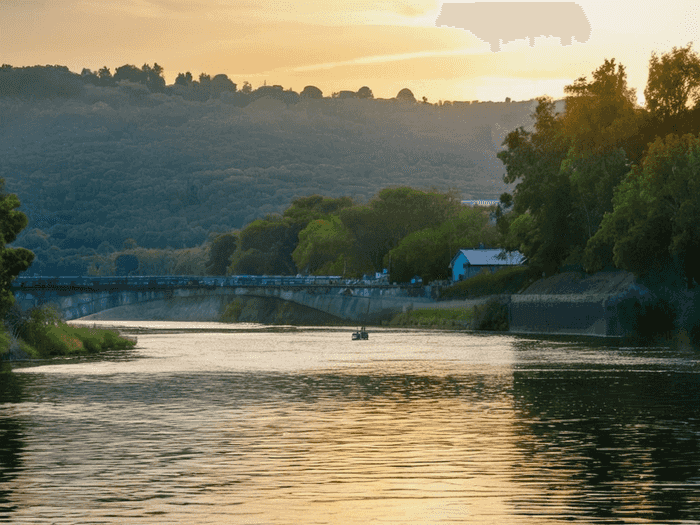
(468,263)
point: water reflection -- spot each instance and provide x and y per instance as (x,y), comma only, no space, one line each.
(297,428)
(622,441)
(11,442)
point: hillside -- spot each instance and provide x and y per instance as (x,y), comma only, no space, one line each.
(114,163)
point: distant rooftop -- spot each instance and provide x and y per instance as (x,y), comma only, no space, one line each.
(480,202)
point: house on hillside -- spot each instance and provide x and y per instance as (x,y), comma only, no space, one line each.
(468,263)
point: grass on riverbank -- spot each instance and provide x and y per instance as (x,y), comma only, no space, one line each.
(455,319)
(61,339)
(507,281)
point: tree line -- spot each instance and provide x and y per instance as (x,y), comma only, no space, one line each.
(120,163)
(59,81)
(607,183)
(408,231)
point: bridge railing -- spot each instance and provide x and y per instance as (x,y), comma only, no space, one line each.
(189,281)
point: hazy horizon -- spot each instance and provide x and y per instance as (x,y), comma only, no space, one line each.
(337,46)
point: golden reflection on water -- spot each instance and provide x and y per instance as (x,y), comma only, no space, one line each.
(260,426)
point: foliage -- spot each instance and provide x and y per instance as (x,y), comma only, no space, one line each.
(324,247)
(44,330)
(221,250)
(541,224)
(568,168)
(600,114)
(125,264)
(365,92)
(233,311)
(492,315)
(169,169)
(447,318)
(428,252)
(506,281)
(305,209)
(13,261)
(266,246)
(379,226)
(41,82)
(406,95)
(311,92)
(655,224)
(674,81)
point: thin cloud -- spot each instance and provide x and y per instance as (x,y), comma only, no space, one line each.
(377,59)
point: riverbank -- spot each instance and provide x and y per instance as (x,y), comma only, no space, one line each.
(61,339)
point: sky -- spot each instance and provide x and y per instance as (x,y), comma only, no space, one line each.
(338,45)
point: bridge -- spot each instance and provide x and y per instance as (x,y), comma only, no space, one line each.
(197,298)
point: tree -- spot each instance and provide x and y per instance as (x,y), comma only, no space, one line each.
(541,224)
(154,77)
(394,213)
(13,261)
(428,252)
(674,80)
(184,79)
(567,169)
(131,73)
(406,95)
(325,246)
(364,92)
(222,248)
(311,92)
(655,224)
(305,209)
(600,114)
(125,264)
(105,77)
(269,243)
(221,83)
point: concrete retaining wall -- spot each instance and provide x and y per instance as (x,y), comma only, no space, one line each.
(563,314)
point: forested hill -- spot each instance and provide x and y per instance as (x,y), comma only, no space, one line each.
(101,164)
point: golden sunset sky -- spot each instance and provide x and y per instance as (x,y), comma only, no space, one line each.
(335,45)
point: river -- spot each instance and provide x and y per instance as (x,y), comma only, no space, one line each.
(210,423)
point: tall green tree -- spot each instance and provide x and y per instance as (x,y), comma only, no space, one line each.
(601,113)
(655,224)
(566,170)
(220,253)
(394,213)
(673,82)
(541,224)
(265,246)
(428,252)
(325,247)
(13,261)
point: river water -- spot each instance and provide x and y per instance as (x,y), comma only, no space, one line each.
(210,423)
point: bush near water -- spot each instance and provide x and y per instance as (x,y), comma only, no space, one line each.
(41,333)
(507,281)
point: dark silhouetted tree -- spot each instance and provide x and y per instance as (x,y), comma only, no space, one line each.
(13,261)
(125,264)
(220,253)
(673,82)
(311,92)
(364,92)
(406,95)
(184,79)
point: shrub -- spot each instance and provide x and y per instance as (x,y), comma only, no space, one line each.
(507,281)
(434,318)
(233,311)
(492,315)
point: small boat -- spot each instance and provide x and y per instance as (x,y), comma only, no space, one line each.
(360,334)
